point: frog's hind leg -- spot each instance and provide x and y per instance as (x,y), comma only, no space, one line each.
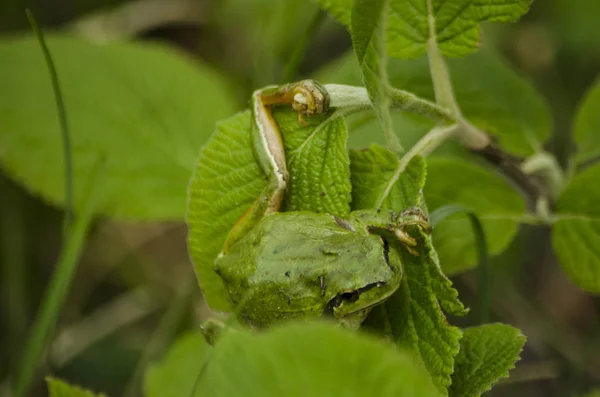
(269,201)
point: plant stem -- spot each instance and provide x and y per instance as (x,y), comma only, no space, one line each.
(357,98)
(351,99)
(442,85)
(64,126)
(547,167)
(428,143)
(58,287)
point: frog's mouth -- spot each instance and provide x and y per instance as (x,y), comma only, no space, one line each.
(350,297)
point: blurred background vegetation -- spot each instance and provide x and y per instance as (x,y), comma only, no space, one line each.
(135,290)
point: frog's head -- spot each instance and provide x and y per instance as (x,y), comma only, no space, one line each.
(363,285)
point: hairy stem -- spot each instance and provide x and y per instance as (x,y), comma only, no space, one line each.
(357,98)
(351,99)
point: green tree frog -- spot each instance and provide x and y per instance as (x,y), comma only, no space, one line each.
(300,265)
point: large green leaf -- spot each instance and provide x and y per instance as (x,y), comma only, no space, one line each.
(486,355)
(411,317)
(227,180)
(453,24)
(457,182)
(489,92)
(587,126)
(576,233)
(59,388)
(145,109)
(309,359)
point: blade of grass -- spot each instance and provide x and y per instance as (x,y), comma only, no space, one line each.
(64,125)
(484,281)
(13,248)
(59,286)
(74,237)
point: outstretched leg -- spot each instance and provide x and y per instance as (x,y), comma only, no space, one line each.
(307,97)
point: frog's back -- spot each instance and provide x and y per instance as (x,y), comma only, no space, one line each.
(291,265)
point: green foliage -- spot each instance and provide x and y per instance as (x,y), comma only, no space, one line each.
(296,360)
(453,24)
(379,182)
(587,125)
(176,375)
(576,233)
(457,182)
(269,31)
(490,94)
(368,37)
(59,388)
(145,122)
(226,168)
(487,353)
(495,99)
(320,145)
(411,317)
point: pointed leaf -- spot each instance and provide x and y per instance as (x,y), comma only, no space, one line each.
(452,181)
(59,388)
(147,122)
(296,360)
(486,355)
(412,317)
(576,233)
(587,126)
(453,24)
(368,38)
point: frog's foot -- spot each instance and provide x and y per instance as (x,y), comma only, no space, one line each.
(309,98)
(411,217)
(415,216)
(407,240)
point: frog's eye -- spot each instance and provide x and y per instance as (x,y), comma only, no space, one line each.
(350,296)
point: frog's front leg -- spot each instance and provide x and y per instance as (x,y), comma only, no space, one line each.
(307,97)
(391,221)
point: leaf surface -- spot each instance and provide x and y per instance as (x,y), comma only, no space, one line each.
(295,360)
(146,122)
(412,317)
(368,38)
(587,126)
(490,94)
(487,353)
(453,24)
(453,181)
(59,388)
(576,233)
